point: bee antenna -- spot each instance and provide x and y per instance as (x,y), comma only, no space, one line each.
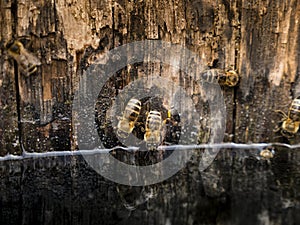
(214,64)
(25,41)
(280,112)
(10,43)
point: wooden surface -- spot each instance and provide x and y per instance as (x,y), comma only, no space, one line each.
(260,39)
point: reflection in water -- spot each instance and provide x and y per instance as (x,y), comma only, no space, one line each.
(239,187)
(133,197)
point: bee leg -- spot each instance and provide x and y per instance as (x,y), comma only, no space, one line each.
(143,129)
(282,113)
(161,155)
(277,129)
(276,137)
(287,135)
(165,121)
(31,69)
(298,125)
(146,155)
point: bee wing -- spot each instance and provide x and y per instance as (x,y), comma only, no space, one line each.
(31,58)
(27,61)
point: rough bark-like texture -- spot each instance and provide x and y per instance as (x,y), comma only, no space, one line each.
(258,38)
(268,61)
(9,130)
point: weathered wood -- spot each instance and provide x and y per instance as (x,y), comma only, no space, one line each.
(9,129)
(258,38)
(268,62)
(66,48)
(45,100)
(221,33)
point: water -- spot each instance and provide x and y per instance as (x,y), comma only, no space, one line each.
(239,187)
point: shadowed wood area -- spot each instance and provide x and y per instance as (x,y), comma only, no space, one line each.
(65,41)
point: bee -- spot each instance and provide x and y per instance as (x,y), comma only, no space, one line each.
(25,59)
(294,110)
(224,78)
(153,129)
(173,129)
(290,123)
(127,121)
(267,153)
(173,115)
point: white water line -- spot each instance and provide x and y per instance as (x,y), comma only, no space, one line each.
(258,146)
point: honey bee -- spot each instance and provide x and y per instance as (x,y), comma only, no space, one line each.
(294,110)
(127,121)
(25,59)
(173,129)
(153,129)
(290,123)
(225,78)
(267,153)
